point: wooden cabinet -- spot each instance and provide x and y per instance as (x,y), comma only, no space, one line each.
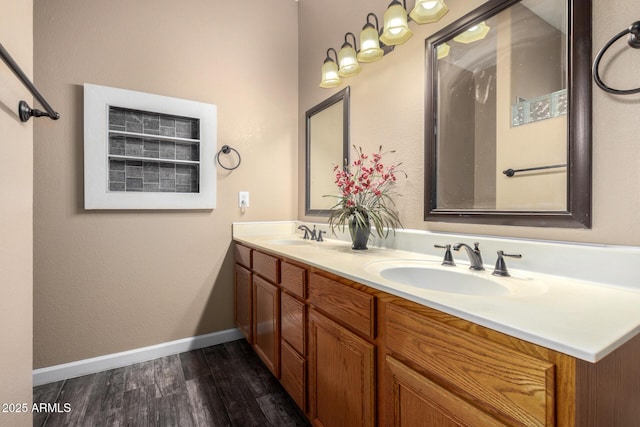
(341,375)
(266,323)
(257,303)
(513,387)
(415,401)
(294,279)
(293,316)
(293,374)
(347,305)
(243,292)
(350,355)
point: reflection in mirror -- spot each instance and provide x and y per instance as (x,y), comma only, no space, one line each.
(327,145)
(503,144)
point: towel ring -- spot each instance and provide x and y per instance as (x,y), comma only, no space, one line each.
(634,41)
(226,150)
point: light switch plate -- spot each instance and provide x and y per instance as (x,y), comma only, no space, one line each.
(243,199)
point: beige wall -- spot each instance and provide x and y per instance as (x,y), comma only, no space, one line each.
(16,215)
(110,281)
(387,108)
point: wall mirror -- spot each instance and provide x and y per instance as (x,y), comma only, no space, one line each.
(327,144)
(508,116)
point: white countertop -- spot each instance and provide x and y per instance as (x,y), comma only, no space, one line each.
(583,319)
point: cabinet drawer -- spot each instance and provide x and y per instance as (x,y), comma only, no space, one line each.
(243,255)
(414,401)
(292,374)
(293,321)
(353,308)
(513,386)
(266,266)
(293,279)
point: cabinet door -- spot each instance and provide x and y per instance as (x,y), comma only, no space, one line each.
(266,323)
(415,401)
(341,375)
(243,295)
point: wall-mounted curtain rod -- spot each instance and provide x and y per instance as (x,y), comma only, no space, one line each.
(24,111)
(512,172)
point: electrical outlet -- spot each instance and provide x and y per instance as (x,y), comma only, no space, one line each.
(243,199)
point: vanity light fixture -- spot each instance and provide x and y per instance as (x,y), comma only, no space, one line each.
(370,49)
(442,50)
(347,60)
(473,34)
(427,11)
(396,30)
(330,77)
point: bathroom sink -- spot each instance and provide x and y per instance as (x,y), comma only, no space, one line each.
(434,277)
(289,242)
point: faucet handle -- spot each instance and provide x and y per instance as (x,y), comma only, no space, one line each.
(319,238)
(501,266)
(448,257)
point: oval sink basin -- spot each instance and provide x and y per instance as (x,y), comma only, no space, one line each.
(450,281)
(431,276)
(288,242)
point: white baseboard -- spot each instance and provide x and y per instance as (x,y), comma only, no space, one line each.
(116,360)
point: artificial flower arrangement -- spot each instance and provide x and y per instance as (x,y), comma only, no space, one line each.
(365,190)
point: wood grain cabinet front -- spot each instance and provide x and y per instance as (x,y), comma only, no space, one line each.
(341,375)
(293,323)
(513,387)
(243,312)
(266,323)
(415,401)
(349,306)
(243,255)
(294,279)
(293,375)
(266,266)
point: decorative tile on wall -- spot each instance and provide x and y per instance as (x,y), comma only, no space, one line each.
(133,148)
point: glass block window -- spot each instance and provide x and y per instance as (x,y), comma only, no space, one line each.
(541,108)
(152,152)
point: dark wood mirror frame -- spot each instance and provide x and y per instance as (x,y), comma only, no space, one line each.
(578,213)
(344,96)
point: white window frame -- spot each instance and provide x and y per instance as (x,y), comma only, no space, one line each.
(97,100)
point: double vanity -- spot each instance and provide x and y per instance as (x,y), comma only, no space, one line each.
(390,336)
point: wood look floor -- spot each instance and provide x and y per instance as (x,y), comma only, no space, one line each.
(223,385)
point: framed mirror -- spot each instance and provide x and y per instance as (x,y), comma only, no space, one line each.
(508,116)
(327,144)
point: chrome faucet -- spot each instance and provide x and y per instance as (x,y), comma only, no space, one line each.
(475,257)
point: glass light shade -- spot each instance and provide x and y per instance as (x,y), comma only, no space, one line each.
(473,34)
(396,30)
(443,50)
(426,11)
(348,61)
(369,45)
(330,77)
